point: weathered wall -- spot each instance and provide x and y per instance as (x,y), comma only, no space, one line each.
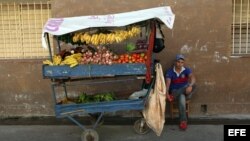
(24,92)
(69,8)
(201,32)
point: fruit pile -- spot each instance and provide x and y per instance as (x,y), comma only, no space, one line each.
(71,60)
(132,58)
(115,36)
(100,55)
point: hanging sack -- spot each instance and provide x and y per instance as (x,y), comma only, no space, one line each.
(154,112)
(159,39)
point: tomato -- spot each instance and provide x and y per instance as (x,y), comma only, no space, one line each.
(121,56)
(126,60)
(138,56)
(134,55)
(126,55)
(129,57)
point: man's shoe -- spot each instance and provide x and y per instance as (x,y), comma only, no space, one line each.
(183,125)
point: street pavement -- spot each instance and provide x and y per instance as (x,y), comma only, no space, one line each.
(207,128)
(109,133)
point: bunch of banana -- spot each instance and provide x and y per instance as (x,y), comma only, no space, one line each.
(77,37)
(118,39)
(94,39)
(57,59)
(122,34)
(135,30)
(47,62)
(86,37)
(101,38)
(110,38)
(70,60)
(77,56)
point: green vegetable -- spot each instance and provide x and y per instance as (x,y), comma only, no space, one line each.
(130,47)
(84,98)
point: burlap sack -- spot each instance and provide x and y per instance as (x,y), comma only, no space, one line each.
(154,112)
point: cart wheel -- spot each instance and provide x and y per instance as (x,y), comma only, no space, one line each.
(141,126)
(90,135)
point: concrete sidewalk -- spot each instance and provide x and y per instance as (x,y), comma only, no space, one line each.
(108,133)
(207,128)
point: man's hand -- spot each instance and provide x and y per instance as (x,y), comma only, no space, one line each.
(189,90)
(170,98)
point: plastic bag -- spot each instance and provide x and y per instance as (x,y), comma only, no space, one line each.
(138,94)
(159,45)
(154,112)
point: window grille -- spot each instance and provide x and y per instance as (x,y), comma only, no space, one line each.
(240,27)
(21,30)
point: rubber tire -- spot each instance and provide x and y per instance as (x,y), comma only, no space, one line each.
(141,126)
(89,135)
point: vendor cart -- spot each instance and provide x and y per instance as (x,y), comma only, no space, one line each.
(64,75)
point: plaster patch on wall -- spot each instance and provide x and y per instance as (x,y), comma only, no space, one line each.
(213,30)
(219,59)
(43,106)
(194,66)
(27,107)
(186,49)
(210,83)
(203,48)
(216,57)
(21,97)
(225,59)
(197,43)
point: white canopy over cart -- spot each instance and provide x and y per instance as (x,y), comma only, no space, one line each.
(60,26)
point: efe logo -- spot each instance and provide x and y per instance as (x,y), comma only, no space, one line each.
(237,132)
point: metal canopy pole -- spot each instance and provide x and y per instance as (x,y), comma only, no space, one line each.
(50,52)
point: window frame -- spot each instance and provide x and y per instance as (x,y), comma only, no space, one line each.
(22,40)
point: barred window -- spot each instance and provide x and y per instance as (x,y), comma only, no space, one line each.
(21,30)
(241,27)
